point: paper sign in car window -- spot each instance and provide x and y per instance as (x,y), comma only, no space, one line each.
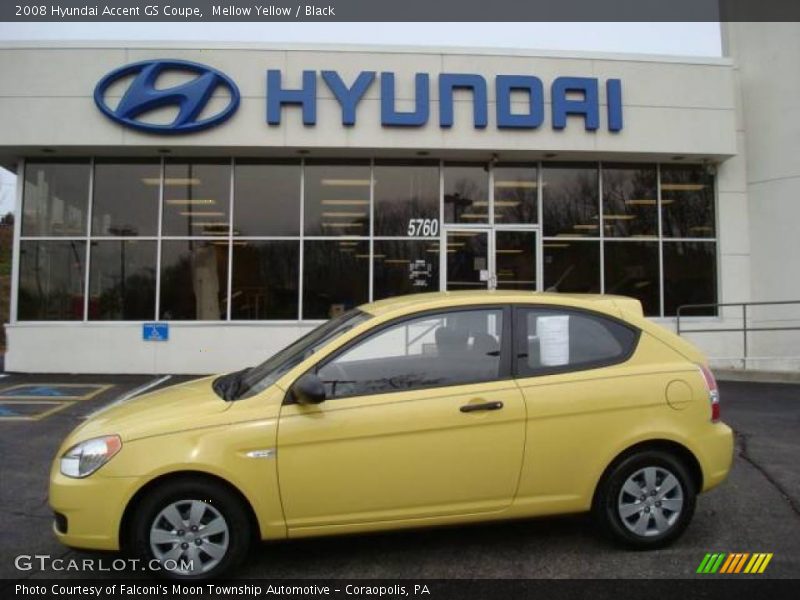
(553,333)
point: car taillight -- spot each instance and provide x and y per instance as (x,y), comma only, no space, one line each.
(713,392)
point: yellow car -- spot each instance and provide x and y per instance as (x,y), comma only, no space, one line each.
(420,410)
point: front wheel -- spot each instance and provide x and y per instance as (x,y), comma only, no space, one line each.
(194,529)
(646,501)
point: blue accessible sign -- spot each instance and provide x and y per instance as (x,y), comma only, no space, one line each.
(155,332)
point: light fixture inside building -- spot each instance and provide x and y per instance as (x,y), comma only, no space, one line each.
(683,187)
(345,202)
(352,215)
(191,201)
(171,181)
(515,184)
(345,182)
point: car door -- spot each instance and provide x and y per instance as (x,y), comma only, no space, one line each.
(582,396)
(421,419)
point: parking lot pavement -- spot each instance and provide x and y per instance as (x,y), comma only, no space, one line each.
(29,440)
(756,510)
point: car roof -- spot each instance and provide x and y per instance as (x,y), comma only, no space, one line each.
(417,302)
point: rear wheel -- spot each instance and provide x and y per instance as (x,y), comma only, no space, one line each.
(646,500)
(195,529)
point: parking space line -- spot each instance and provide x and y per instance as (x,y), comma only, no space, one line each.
(38,391)
(55,406)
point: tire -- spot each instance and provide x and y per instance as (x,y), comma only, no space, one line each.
(646,500)
(192,520)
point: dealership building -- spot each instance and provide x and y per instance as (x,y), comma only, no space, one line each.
(193,208)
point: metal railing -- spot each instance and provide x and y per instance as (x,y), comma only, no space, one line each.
(745,329)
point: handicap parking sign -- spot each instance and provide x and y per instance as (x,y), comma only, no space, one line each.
(155,332)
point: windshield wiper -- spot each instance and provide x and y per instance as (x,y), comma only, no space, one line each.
(230,386)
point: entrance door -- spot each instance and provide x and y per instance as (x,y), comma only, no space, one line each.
(505,259)
(516,265)
(467,263)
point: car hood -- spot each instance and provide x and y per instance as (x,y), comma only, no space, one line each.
(190,405)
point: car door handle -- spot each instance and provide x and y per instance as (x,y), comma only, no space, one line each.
(484,406)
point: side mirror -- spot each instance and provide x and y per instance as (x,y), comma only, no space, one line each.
(309,389)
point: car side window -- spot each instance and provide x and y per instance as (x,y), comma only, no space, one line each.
(555,340)
(447,348)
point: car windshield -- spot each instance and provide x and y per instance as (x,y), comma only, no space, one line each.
(255,380)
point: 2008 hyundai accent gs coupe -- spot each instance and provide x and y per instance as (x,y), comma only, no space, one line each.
(414,411)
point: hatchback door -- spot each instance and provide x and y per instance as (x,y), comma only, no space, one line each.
(421,420)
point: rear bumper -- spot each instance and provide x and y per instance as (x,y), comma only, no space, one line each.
(715,454)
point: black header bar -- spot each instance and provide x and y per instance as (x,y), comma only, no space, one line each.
(252,11)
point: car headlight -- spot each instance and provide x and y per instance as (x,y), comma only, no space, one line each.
(85,458)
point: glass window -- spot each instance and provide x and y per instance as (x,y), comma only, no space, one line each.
(515,258)
(560,339)
(630,200)
(194,280)
(405,267)
(260,377)
(690,276)
(265,279)
(55,198)
(687,201)
(335,277)
(571,266)
(466,193)
(126,197)
(467,260)
(570,199)
(631,269)
(515,194)
(266,198)
(51,279)
(337,198)
(122,280)
(406,193)
(452,348)
(196,198)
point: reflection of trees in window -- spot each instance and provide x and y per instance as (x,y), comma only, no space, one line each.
(335,278)
(194,280)
(337,198)
(571,266)
(264,280)
(690,276)
(55,198)
(466,194)
(631,269)
(630,199)
(125,197)
(570,200)
(403,192)
(122,280)
(515,194)
(405,267)
(51,280)
(687,201)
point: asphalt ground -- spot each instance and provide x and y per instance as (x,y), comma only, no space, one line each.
(756,510)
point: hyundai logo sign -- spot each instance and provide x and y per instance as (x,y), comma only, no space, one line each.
(190,98)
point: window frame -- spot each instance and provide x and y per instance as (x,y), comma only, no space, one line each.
(505,367)
(520,333)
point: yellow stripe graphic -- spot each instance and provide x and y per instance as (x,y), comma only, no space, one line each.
(753,564)
(765,563)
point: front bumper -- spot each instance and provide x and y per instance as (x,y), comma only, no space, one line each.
(92,508)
